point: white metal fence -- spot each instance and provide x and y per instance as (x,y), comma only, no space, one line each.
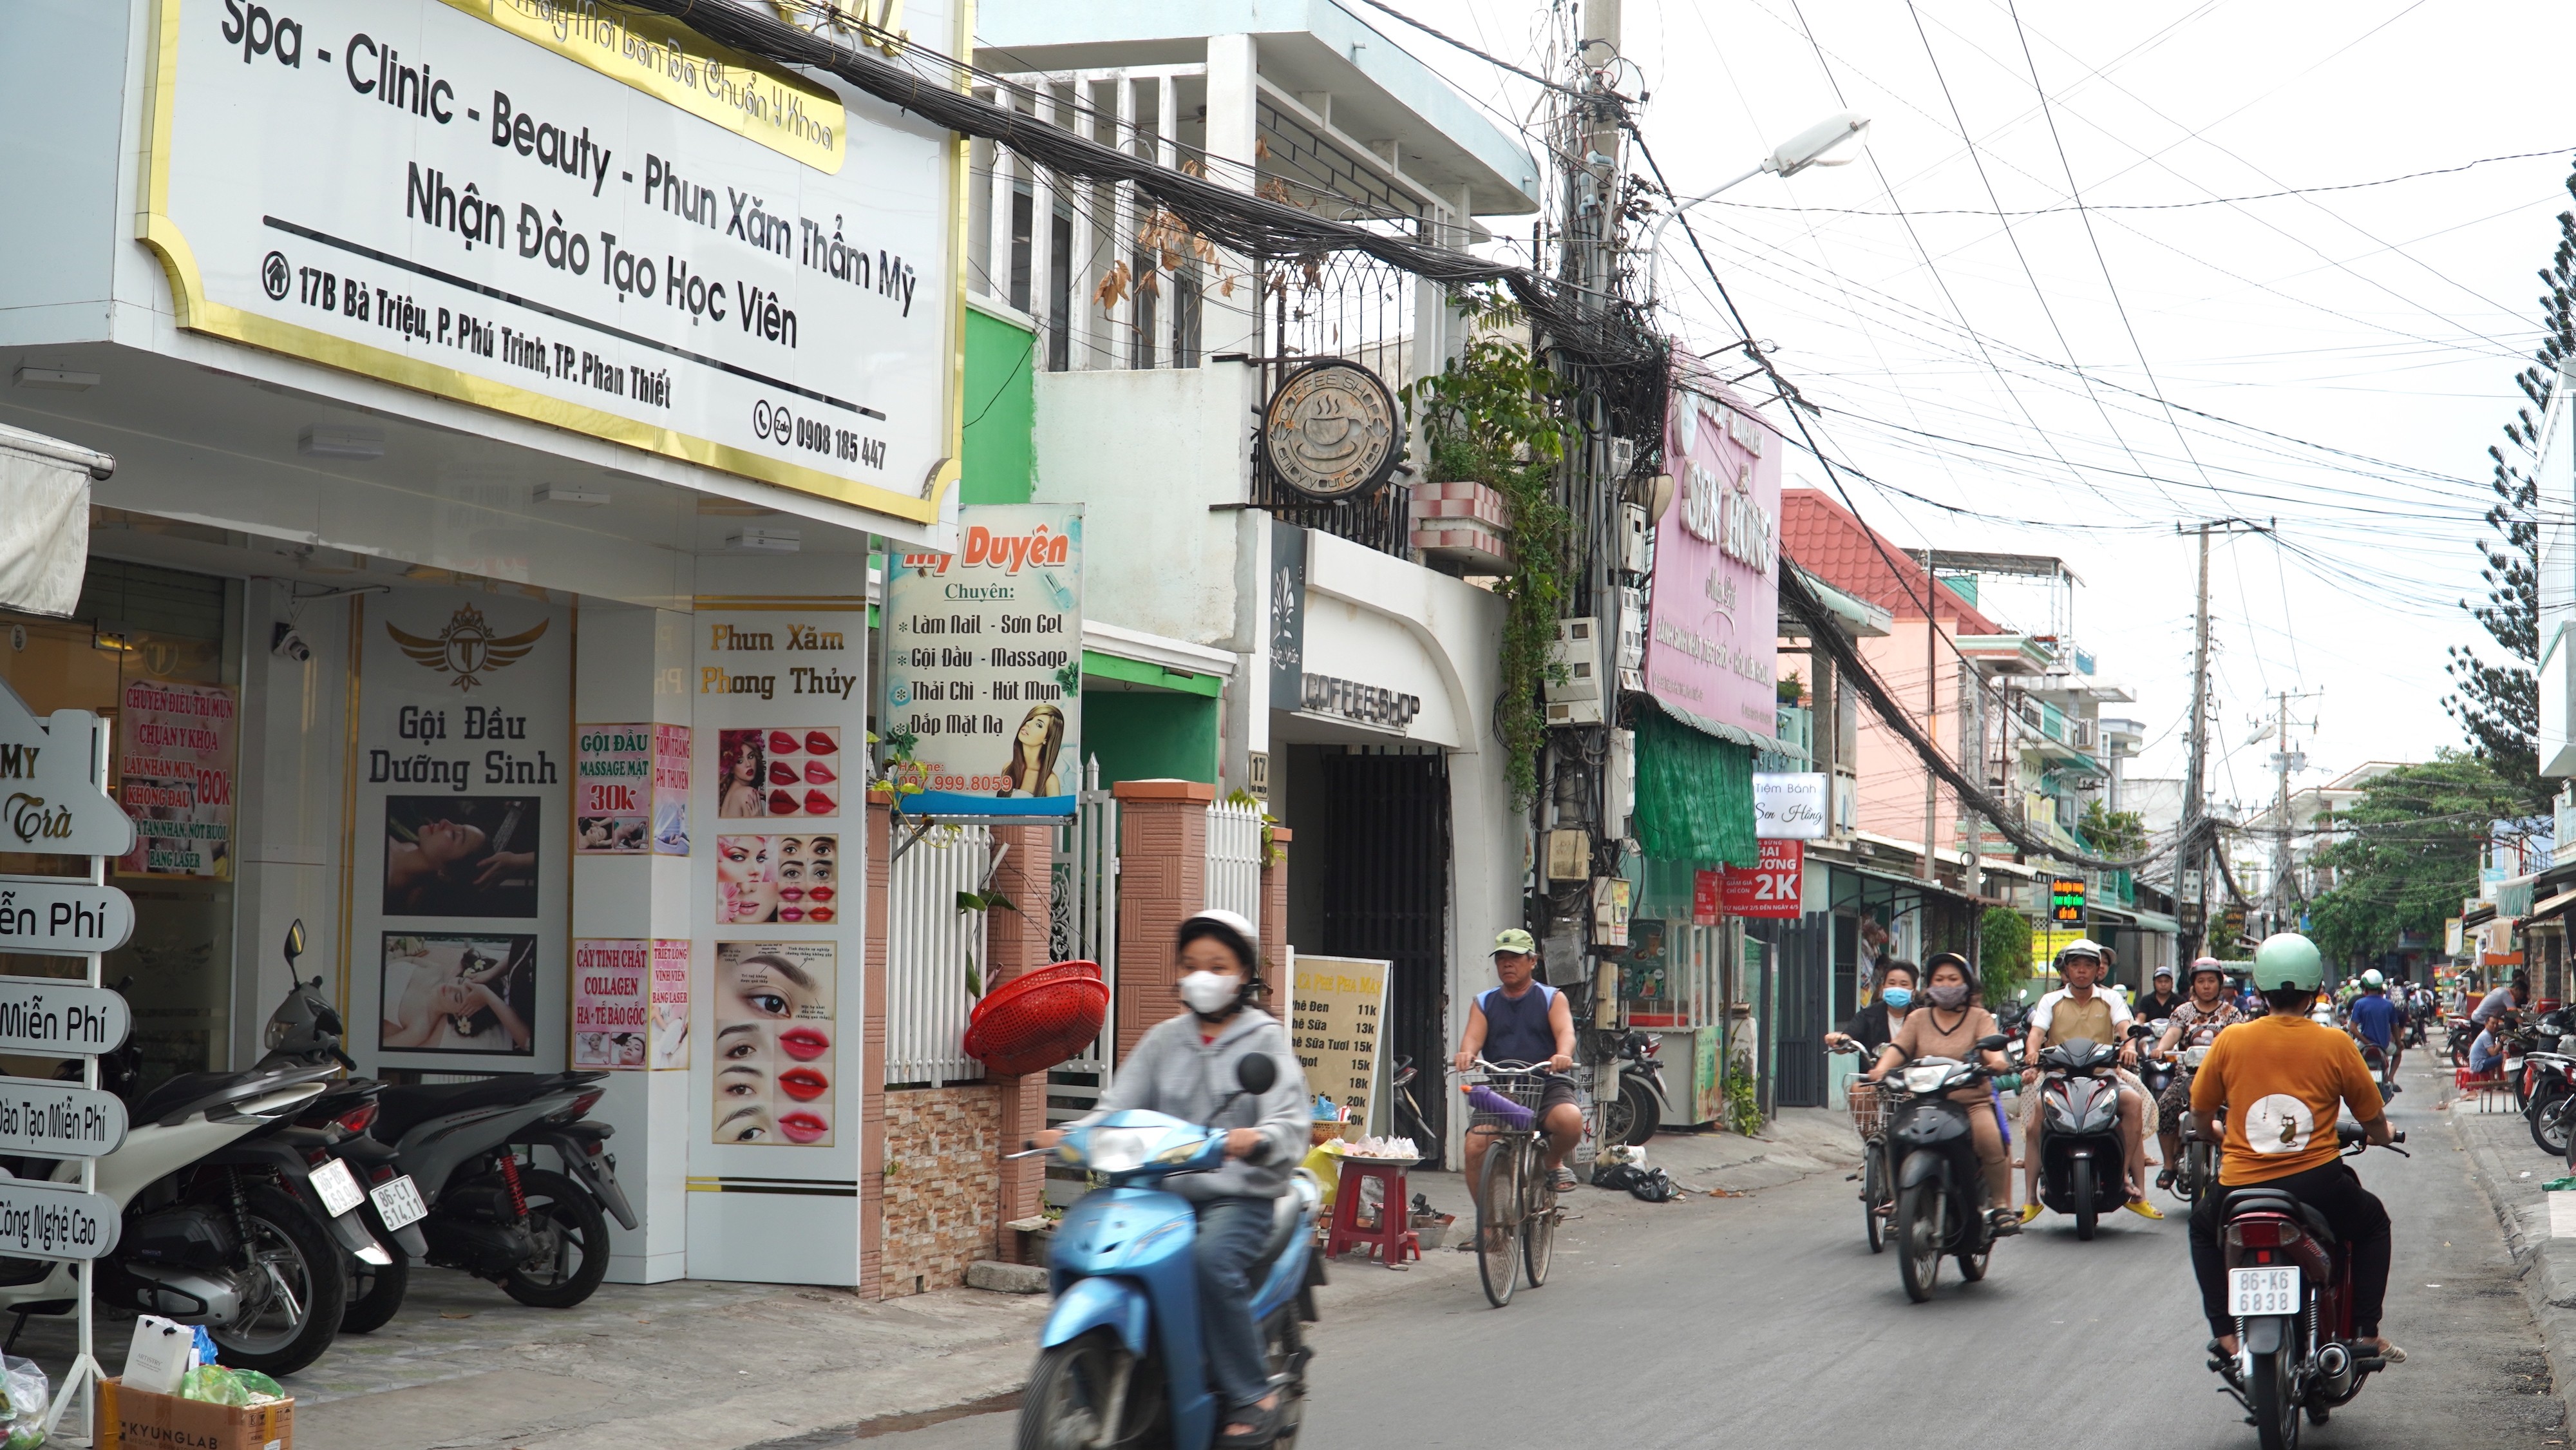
(928,943)
(1082,917)
(1234,859)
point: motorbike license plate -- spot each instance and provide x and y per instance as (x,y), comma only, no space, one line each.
(2252,1292)
(338,1187)
(398,1199)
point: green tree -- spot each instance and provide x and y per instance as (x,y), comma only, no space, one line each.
(2407,852)
(2004,959)
(2119,835)
(2498,702)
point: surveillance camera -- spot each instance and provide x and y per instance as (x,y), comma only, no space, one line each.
(288,643)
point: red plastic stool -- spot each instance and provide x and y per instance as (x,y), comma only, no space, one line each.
(1392,1236)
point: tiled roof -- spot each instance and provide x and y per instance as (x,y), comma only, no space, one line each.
(1827,541)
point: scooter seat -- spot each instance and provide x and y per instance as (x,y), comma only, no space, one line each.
(192,1092)
(401,1109)
(2273,1200)
(1287,1219)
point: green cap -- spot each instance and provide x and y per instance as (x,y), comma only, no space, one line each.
(1514,940)
(2286,960)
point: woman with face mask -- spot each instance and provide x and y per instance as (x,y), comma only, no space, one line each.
(1947,1022)
(1185,1066)
(1868,1031)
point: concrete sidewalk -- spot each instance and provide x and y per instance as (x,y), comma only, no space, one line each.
(719,1366)
(2512,1169)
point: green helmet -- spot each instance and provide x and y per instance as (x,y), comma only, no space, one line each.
(2288,960)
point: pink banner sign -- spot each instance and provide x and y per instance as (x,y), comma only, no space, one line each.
(1712,630)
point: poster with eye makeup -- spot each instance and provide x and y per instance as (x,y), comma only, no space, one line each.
(775,1043)
(778,781)
(788,878)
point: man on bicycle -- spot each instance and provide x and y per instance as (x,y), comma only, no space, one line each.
(1524,1020)
(2195,1023)
(2379,1021)
(2280,1080)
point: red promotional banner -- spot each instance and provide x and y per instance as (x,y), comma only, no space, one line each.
(1771,888)
(1708,897)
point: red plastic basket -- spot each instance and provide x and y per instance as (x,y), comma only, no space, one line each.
(1026,1025)
(1032,980)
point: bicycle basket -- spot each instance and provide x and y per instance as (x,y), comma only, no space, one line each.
(1507,1101)
(1868,1108)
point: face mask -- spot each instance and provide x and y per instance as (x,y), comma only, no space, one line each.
(1208,993)
(1949,994)
(1899,998)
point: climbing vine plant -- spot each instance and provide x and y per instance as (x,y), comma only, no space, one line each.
(1490,417)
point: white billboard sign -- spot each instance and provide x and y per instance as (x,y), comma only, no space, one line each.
(587,217)
(1789,805)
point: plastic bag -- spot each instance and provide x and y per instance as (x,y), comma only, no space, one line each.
(213,1384)
(259,1386)
(29,1394)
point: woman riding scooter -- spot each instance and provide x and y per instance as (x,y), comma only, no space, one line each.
(2192,1024)
(1184,1067)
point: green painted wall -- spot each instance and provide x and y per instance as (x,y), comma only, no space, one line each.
(1150,735)
(1001,411)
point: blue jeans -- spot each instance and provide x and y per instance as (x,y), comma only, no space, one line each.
(1231,1233)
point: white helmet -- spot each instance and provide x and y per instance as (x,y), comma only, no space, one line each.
(2372,981)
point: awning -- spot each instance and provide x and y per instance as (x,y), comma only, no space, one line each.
(1733,734)
(2553,905)
(44,520)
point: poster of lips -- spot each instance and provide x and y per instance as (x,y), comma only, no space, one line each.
(774,773)
(774,1049)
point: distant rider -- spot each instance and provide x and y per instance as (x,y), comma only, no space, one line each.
(2193,1024)
(2159,1004)
(2279,1080)
(2378,1019)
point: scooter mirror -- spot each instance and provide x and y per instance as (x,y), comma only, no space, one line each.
(294,941)
(1993,1042)
(1255,1073)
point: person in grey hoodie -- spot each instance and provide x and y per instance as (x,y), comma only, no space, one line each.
(1185,1067)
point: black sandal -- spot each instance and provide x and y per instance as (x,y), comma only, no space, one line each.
(1262,1425)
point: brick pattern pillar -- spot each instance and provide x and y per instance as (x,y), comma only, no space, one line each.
(1274,918)
(872,1051)
(1016,942)
(1162,881)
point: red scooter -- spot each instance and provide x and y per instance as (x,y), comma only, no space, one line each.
(2289,1284)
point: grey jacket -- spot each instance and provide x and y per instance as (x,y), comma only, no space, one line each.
(1172,1071)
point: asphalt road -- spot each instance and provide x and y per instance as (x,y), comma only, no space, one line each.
(1765,1320)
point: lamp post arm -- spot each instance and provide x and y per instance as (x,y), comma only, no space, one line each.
(1655,238)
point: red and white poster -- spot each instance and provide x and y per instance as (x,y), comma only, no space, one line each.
(632,790)
(1771,888)
(670,1003)
(671,790)
(611,1003)
(1708,896)
(174,746)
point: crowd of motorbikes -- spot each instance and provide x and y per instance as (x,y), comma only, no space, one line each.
(284,1205)
(1921,1190)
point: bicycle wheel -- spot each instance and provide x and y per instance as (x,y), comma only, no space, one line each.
(1873,1188)
(1538,1231)
(1498,1222)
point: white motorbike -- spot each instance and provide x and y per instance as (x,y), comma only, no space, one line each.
(211,1186)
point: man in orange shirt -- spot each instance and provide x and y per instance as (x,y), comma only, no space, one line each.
(2280,1080)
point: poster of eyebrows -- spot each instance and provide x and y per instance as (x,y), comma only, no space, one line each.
(774,1043)
(460,881)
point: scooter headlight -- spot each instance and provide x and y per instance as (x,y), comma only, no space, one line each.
(1115,1150)
(1925,1079)
(275,1037)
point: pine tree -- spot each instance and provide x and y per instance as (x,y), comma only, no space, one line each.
(2498,704)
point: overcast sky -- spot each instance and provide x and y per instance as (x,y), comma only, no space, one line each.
(2015,376)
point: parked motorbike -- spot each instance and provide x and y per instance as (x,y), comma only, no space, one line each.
(1120,1361)
(2550,1104)
(2083,1164)
(1633,1115)
(1938,1179)
(467,1152)
(2289,1285)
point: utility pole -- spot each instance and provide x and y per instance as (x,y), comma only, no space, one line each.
(1931,717)
(2284,762)
(2195,787)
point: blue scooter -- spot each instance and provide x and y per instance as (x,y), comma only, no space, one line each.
(1121,1363)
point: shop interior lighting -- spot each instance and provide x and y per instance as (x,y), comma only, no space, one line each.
(320,442)
(60,379)
(587,494)
(766,541)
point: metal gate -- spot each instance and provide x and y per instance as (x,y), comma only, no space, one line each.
(1802,968)
(1385,864)
(1082,924)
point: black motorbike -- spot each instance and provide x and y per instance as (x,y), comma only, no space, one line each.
(2083,1164)
(2155,1069)
(1939,1183)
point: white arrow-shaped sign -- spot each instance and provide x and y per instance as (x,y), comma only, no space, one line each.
(58,1120)
(53,1016)
(63,918)
(55,1221)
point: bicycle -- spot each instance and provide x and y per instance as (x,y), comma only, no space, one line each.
(1516,1208)
(1877,1185)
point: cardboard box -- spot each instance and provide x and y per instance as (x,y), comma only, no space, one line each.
(140,1420)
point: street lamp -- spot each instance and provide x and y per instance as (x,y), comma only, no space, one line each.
(1790,157)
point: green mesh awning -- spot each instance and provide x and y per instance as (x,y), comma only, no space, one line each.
(1694,794)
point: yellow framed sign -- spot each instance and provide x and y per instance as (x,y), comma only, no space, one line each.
(587,219)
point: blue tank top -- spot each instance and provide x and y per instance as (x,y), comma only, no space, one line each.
(1518,1031)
